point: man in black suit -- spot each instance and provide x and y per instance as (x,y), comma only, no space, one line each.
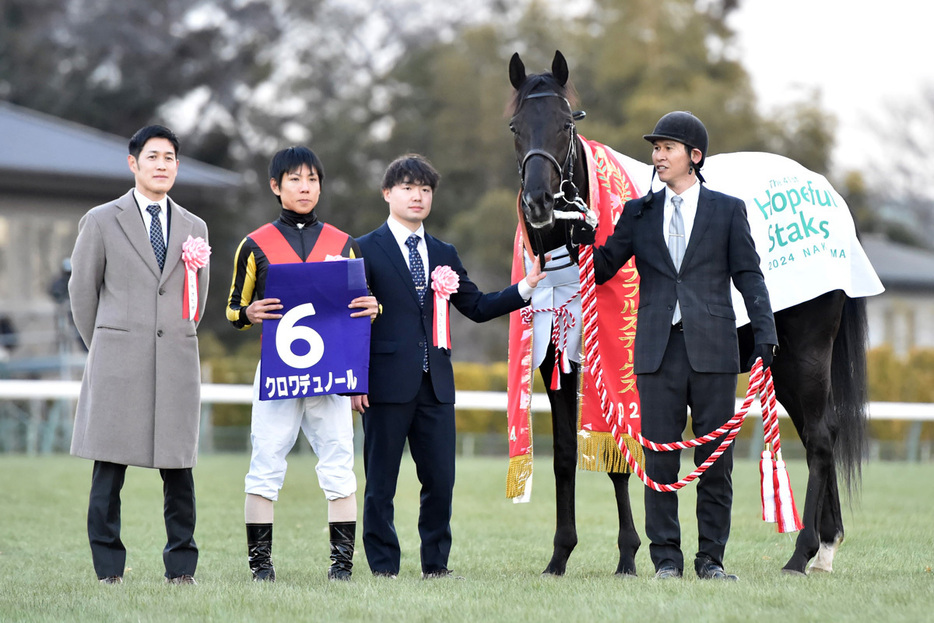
(689,243)
(411,382)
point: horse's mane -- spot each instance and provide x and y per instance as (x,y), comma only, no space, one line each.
(541,82)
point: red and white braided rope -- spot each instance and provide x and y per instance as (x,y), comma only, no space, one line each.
(759,382)
(770,422)
(562,322)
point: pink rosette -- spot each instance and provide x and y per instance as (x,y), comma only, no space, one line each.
(195,254)
(444,282)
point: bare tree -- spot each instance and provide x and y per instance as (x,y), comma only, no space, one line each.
(903,172)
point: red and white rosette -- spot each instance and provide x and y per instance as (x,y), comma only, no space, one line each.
(195,254)
(444,281)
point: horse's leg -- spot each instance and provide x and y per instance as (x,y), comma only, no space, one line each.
(802,384)
(831,527)
(799,403)
(564,425)
(628,540)
(849,394)
(830,524)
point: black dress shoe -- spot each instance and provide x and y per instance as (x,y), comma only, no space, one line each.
(441,574)
(666,573)
(713,571)
(113,579)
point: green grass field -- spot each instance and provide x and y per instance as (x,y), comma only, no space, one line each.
(882,572)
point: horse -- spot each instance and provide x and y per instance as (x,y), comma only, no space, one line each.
(819,373)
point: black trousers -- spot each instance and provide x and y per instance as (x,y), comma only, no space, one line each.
(665,396)
(429,427)
(107,550)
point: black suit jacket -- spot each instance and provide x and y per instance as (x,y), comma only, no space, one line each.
(721,249)
(397,334)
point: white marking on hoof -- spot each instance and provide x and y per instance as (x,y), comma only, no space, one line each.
(823,562)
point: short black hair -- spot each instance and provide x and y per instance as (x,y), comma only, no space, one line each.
(144,135)
(291,159)
(410,169)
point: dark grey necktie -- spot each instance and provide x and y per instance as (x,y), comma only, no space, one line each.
(676,244)
(155,234)
(417,268)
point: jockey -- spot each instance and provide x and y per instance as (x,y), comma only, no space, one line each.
(295,177)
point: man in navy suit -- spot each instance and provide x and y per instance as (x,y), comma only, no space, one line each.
(689,243)
(411,382)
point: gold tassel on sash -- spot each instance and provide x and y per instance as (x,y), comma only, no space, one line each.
(520,470)
(598,452)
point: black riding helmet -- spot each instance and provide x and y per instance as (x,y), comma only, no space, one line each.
(683,127)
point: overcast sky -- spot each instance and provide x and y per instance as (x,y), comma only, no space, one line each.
(863,54)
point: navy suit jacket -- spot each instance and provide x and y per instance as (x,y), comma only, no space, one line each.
(396,340)
(720,249)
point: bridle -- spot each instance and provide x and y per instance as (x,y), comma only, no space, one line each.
(565,171)
(568,195)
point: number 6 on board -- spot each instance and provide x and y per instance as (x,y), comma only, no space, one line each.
(287,333)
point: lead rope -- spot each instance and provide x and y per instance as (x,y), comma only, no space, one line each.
(777,499)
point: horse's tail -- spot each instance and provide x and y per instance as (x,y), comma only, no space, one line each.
(850,391)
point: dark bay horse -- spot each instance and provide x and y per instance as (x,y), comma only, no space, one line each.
(819,374)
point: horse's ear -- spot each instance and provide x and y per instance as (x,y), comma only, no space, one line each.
(516,71)
(559,68)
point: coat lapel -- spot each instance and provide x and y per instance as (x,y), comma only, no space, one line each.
(181,226)
(133,227)
(435,259)
(705,210)
(434,253)
(387,242)
(655,221)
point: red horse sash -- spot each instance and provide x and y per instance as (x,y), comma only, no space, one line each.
(617,304)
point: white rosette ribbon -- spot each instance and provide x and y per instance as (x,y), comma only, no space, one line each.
(195,254)
(444,281)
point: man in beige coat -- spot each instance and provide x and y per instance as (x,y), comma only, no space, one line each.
(140,395)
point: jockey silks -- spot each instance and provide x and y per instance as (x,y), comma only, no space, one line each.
(292,238)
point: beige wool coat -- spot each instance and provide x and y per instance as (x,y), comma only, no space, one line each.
(140,395)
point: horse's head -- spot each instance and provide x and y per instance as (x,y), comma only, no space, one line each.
(545,137)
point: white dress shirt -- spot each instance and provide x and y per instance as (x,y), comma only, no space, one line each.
(401,233)
(688,210)
(143,203)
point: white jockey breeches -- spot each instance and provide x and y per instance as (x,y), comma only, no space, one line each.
(327,422)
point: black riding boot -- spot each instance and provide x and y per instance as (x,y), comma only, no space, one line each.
(343,535)
(259,551)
